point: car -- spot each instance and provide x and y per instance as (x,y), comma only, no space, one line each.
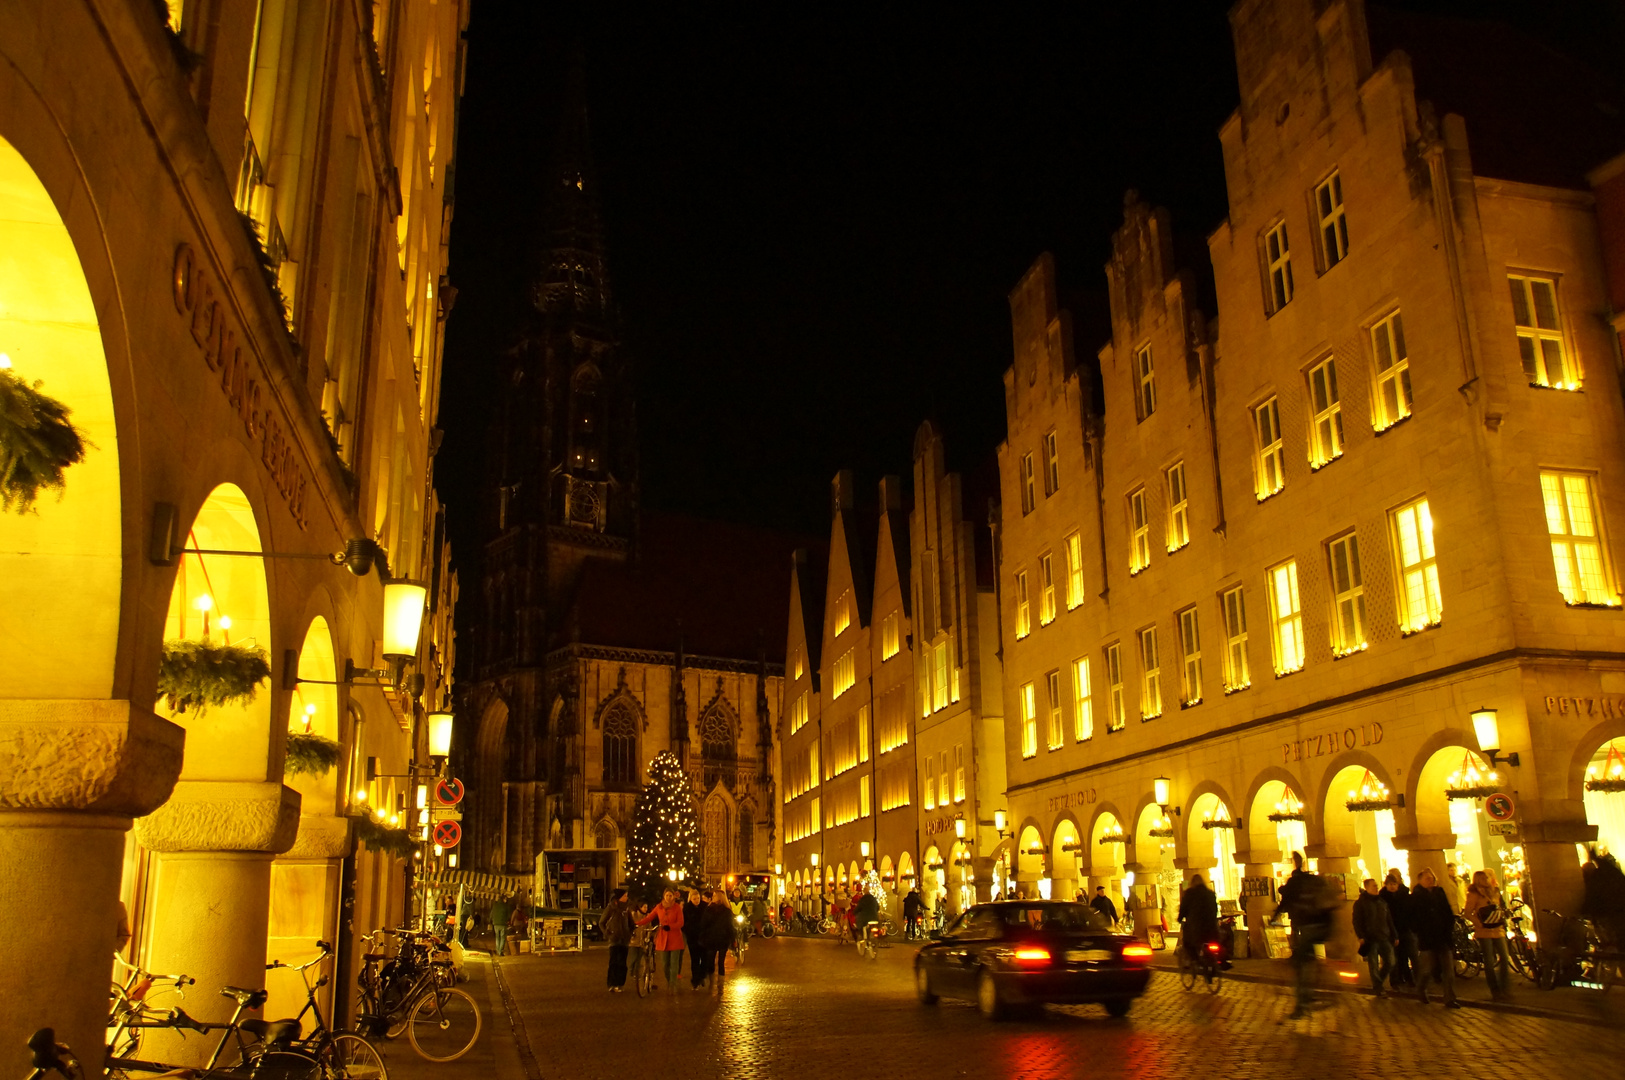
(1015,953)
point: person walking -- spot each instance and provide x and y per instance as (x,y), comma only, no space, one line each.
(1487,913)
(1398,899)
(1374,926)
(1103,904)
(519,921)
(1302,899)
(716,938)
(1435,929)
(693,911)
(501,911)
(1455,889)
(617,929)
(669,941)
(912,906)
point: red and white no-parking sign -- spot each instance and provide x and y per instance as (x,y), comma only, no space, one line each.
(447,833)
(449,792)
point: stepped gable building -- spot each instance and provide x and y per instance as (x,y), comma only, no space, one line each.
(1266,591)
(607,634)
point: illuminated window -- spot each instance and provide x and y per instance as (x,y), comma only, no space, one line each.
(1052,465)
(1420,605)
(1024,611)
(1114,685)
(1334,230)
(1393,372)
(845,674)
(1348,596)
(1151,678)
(1074,571)
(800,668)
(1279,256)
(959,772)
(1029,720)
(930,787)
(863,733)
(1577,549)
(1190,650)
(863,796)
(812,763)
(1236,674)
(1326,404)
(1271,461)
(1286,618)
(1057,730)
(1139,551)
(1046,597)
(942,778)
(843,613)
(1029,497)
(1179,522)
(1083,709)
(1540,333)
(890,643)
(798,712)
(939,676)
(817,815)
(1147,398)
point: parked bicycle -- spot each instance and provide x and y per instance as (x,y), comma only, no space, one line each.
(247,1050)
(1469,960)
(132,998)
(1520,945)
(413,992)
(344,1054)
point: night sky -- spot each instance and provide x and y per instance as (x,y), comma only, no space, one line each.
(813,225)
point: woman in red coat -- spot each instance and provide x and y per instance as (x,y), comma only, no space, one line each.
(669,938)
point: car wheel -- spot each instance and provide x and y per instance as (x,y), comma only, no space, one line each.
(988,998)
(922,985)
(1119,1006)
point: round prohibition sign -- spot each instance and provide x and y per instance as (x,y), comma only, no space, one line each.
(1500,807)
(447,833)
(449,792)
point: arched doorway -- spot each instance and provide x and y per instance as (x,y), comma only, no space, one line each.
(1605,795)
(906,878)
(1065,852)
(1450,790)
(1154,858)
(961,879)
(1359,816)
(1210,831)
(488,838)
(1278,822)
(1032,878)
(1106,840)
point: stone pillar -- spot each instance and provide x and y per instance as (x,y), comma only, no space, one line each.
(305,886)
(72,776)
(1259,863)
(982,866)
(1552,870)
(1425,850)
(213,843)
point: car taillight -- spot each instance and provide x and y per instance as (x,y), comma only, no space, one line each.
(1031,955)
(1136,952)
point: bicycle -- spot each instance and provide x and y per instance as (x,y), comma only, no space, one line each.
(264,1057)
(345,1055)
(131,1000)
(1468,960)
(644,977)
(871,941)
(1525,958)
(412,992)
(1204,964)
(51,1056)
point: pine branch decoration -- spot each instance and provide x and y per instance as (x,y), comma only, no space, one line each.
(199,674)
(378,837)
(310,755)
(37,443)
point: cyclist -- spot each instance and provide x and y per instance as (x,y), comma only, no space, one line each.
(1198,919)
(865,911)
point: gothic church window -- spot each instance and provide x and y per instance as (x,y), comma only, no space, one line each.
(620,745)
(716,735)
(714,833)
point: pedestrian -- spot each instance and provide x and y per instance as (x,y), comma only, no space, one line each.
(693,912)
(864,914)
(519,921)
(1304,898)
(1487,913)
(1103,904)
(1398,898)
(617,929)
(1455,889)
(669,941)
(1435,929)
(1374,926)
(1604,902)
(912,908)
(501,911)
(1198,918)
(717,937)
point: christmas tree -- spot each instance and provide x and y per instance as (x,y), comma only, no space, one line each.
(665,830)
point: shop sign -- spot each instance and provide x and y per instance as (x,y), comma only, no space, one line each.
(939,825)
(240,377)
(1332,741)
(1585,706)
(1081,797)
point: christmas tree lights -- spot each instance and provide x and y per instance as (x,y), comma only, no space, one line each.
(665,831)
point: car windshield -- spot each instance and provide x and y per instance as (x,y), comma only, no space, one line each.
(1053,917)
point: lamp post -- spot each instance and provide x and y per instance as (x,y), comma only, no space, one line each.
(1487,728)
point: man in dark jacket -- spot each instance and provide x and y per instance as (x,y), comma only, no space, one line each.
(1398,899)
(1300,898)
(1103,904)
(1374,926)
(912,907)
(1198,916)
(1435,927)
(693,913)
(617,928)
(716,937)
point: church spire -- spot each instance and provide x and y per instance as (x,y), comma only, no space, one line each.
(573,280)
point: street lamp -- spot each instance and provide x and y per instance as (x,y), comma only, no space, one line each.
(959,826)
(1161,793)
(814,857)
(440,723)
(1487,726)
(863,848)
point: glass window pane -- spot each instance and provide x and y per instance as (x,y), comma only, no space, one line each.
(1520,303)
(1545,304)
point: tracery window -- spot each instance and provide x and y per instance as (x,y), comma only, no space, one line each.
(716,735)
(620,745)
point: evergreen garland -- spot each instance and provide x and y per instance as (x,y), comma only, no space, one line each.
(312,755)
(198,674)
(379,837)
(37,442)
(665,830)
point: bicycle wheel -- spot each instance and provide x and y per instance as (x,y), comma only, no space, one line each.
(444,1025)
(350,1057)
(645,976)
(1187,970)
(1215,975)
(286,1065)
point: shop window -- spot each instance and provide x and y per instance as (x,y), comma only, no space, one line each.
(1393,372)
(1326,404)
(1139,553)
(1236,674)
(1270,463)
(1348,596)
(1334,230)
(1083,714)
(1179,522)
(1420,605)
(1029,720)
(1074,571)
(1540,333)
(1024,611)
(1278,259)
(1577,548)
(1151,677)
(1190,648)
(1117,707)
(1046,597)
(1286,618)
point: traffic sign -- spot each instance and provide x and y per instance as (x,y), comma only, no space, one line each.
(1500,807)
(449,792)
(447,834)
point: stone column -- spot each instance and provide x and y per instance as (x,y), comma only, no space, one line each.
(1425,850)
(305,885)
(72,776)
(213,843)
(1337,860)
(1553,878)
(1258,863)
(982,866)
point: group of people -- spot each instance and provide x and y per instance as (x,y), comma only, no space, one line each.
(1408,935)
(707,926)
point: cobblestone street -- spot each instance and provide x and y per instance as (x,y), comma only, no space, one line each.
(800,1005)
